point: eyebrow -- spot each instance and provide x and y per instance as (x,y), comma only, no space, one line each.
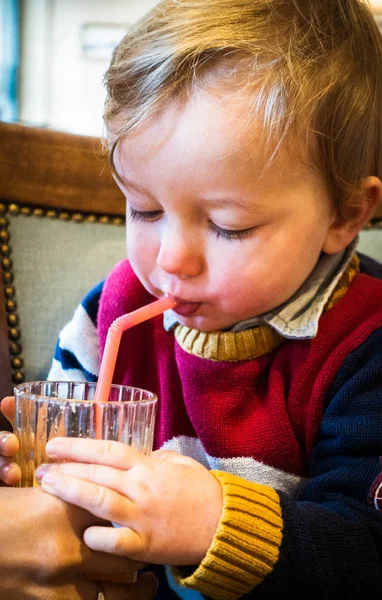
(218,203)
(134,186)
(223,202)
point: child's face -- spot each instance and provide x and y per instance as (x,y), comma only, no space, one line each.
(205,224)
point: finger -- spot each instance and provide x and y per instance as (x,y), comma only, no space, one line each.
(144,589)
(121,541)
(164,454)
(122,578)
(113,591)
(9,444)
(97,499)
(106,476)
(172,457)
(85,450)
(10,472)
(8,408)
(107,567)
(128,576)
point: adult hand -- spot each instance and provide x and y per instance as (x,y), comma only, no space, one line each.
(10,472)
(144,589)
(8,408)
(43,555)
(168,505)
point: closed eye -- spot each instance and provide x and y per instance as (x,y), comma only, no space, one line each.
(231,234)
(144,215)
(150,216)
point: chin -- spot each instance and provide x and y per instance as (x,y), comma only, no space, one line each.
(202,323)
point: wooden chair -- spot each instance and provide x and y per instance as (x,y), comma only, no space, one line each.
(61,231)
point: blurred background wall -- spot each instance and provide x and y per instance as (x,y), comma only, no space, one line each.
(53,54)
(64,48)
(9,59)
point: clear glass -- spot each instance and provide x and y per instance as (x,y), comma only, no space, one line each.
(48,409)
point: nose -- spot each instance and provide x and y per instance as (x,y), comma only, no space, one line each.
(180,254)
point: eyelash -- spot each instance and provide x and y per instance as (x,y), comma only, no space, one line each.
(227,234)
(143,215)
(231,234)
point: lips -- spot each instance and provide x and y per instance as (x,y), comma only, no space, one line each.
(185,309)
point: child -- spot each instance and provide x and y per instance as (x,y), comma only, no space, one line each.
(246,136)
(375,493)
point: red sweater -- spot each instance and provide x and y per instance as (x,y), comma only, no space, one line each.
(276,410)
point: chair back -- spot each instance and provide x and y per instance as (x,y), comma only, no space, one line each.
(61,231)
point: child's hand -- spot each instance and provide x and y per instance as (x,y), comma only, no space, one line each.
(9,445)
(168,505)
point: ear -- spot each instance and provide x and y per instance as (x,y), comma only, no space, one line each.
(358,211)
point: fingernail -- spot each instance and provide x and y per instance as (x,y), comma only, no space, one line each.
(52,447)
(5,471)
(4,438)
(41,471)
(48,482)
(9,474)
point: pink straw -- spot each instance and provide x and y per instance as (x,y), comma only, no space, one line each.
(113,340)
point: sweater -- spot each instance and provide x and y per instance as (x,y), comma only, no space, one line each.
(292,430)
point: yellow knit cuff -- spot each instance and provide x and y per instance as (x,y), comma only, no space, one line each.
(246,543)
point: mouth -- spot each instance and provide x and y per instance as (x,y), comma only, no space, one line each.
(184,308)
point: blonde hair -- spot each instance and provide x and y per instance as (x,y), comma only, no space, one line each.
(313,65)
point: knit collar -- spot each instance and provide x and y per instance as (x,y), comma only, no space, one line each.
(272,329)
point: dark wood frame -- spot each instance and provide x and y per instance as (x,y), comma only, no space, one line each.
(45,174)
(56,170)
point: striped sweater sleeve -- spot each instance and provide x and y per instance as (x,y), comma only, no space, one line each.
(77,356)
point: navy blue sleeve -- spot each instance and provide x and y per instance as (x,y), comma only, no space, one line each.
(332,537)
(370,266)
(77,351)
(91,301)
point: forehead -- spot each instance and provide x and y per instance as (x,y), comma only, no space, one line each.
(209,132)
(204,119)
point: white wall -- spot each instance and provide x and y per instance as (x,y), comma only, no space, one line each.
(376,4)
(60,87)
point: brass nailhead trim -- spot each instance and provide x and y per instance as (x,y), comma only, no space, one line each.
(10,306)
(14,335)
(15,348)
(18,377)
(12,320)
(13,209)
(374,224)
(63,215)
(17,363)
(6,263)
(38,212)
(7,277)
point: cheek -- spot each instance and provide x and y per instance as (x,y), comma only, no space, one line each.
(141,249)
(232,274)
